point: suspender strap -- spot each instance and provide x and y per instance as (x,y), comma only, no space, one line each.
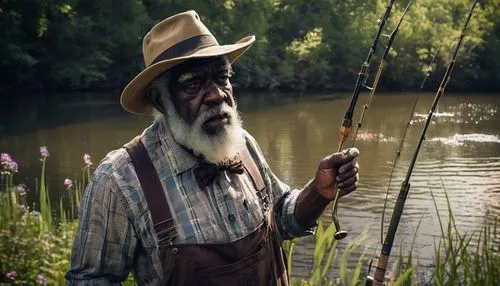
(252,169)
(151,185)
(256,176)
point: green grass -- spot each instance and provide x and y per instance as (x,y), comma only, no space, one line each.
(457,261)
(37,242)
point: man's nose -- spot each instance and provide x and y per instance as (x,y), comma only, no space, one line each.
(213,94)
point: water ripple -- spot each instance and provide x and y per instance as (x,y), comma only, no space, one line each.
(462,113)
(373,136)
(461,139)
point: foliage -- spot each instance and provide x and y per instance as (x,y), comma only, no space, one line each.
(320,45)
(28,250)
(458,261)
(48,44)
(33,248)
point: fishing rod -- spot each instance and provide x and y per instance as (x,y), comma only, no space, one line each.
(372,89)
(378,278)
(403,137)
(345,128)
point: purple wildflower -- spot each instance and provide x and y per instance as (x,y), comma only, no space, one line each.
(42,279)
(5,158)
(68,183)
(44,152)
(7,163)
(12,166)
(86,160)
(11,275)
(21,189)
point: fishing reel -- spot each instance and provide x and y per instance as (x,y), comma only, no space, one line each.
(339,234)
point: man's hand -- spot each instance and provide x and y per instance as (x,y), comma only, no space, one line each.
(338,170)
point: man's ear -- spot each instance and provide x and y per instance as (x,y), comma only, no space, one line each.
(153,96)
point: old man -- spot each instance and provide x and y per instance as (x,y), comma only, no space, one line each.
(192,201)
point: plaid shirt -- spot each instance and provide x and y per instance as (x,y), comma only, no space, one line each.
(115,235)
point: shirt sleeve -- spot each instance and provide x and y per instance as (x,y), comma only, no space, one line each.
(105,241)
(284,199)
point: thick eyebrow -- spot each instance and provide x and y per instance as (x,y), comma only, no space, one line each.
(191,75)
(187,76)
(221,67)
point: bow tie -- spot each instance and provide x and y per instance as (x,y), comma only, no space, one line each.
(206,173)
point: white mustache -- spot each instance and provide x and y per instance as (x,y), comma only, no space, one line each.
(224,108)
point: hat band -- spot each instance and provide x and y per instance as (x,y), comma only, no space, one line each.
(182,48)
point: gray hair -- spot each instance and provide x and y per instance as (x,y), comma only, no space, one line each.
(160,84)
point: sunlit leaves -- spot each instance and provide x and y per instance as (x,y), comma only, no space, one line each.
(427,26)
(65,8)
(42,26)
(229,4)
(304,47)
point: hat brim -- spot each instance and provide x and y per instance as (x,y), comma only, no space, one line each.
(132,98)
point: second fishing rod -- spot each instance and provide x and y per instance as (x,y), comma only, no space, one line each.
(345,128)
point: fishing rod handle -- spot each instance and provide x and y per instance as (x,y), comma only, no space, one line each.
(379,276)
(339,233)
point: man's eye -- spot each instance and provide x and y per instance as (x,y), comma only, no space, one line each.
(192,85)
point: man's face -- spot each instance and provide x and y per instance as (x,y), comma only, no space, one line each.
(199,88)
(200,109)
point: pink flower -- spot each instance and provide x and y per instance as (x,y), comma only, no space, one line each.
(68,183)
(42,279)
(86,160)
(44,152)
(11,275)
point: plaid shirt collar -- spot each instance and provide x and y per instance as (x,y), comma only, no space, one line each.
(182,158)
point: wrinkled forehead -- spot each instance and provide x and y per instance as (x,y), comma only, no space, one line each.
(190,68)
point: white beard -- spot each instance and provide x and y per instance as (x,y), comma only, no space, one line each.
(225,144)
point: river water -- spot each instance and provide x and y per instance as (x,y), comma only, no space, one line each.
(461,154)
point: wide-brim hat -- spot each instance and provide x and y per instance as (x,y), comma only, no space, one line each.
(174,40)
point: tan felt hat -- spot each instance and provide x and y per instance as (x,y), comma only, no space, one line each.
(169,43)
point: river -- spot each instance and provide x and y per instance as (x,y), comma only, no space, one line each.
(461,153)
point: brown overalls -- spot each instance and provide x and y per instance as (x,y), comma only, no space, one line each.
(256,259)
